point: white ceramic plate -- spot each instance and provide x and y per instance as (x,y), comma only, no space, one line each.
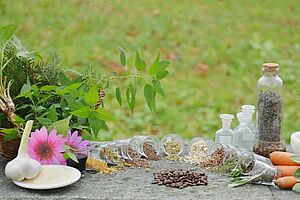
(52,176)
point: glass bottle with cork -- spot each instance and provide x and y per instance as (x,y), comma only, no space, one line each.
(225,134)
(269,108)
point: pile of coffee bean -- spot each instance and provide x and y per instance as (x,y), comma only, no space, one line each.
(180,179)
(150,152)
(136,160)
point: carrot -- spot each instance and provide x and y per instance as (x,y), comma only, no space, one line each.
(286,170)
(282,158)
(287,182)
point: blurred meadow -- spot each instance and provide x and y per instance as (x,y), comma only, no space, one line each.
(216,49)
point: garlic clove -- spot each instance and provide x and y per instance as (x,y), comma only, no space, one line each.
(23,167)
(33,169)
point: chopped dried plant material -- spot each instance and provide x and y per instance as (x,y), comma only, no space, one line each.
(150,152)
(198,153)
(100,166)
(216,159)
(116,160)
(172,149)
(136,161)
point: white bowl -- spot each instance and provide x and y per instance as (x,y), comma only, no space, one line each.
(295,142)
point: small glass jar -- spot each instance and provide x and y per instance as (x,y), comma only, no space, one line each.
(96,150)
(173,146)
(150,147)
(251,166)
(269,108)
(199,147)
(133,149)
(109,153)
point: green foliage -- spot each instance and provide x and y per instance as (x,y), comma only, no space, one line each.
(119,96)
(122,56)
(296,188)
(296,158)
(6,34)
(297,173)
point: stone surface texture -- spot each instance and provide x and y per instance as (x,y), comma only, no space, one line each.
(136,184)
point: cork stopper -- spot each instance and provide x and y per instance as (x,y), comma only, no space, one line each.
(270,67)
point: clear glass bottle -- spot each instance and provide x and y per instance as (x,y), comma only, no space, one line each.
(173,146)
(149,145)
(251,166)
(223,154)
(225,134)
(199,147)
(269,106)
(133,148)
(245,133)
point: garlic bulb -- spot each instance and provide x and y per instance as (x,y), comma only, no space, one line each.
(23,167)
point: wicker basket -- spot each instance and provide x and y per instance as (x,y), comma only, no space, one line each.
(9,149)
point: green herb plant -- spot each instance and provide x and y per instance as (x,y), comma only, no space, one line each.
(296,187)
(75,100)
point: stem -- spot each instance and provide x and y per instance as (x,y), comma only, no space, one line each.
(125,77)
(24,141)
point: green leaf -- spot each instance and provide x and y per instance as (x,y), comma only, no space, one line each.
(154,67)
(84,112)
(66,157)
(52,115)
(296,188)
(19,120)
(149,93)
(9,133)
(101,114)
(297,173)
(139,63)
(239,181)
(69,88)
(48,88)
(162,74)
(122,56)
(158,88)
(130,96)
(296,158)
(62,126)
(95,125)
(6,32)
(72,156)
(63,79)
(164,64)
(44,121)
(92,96)
(158,68)
(119,96)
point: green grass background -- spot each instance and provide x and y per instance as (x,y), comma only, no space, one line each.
(216,49)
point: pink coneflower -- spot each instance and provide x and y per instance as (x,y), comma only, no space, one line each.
(75,142)
(47,149)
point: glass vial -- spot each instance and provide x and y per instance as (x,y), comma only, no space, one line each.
(173,146)
(251,166)
(150,147)
(269,106)
(199,147)
(225,134)
(245,133)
